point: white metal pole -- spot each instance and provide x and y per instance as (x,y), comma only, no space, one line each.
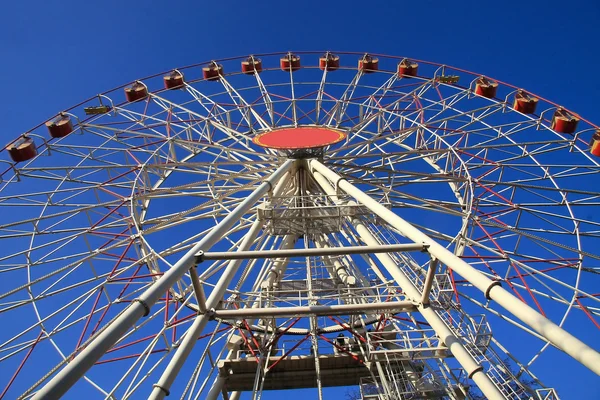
(280,264)
(429,280)
(492,289)
(116,328)
(317,310)
(337,269)
(216,388)
(323,250)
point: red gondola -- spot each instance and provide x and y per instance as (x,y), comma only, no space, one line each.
(564,122)
(595,143)
(525,103)
(252,64)
(136,92)
(290,62)
(486,88)
(407,68)
(329,61)
(60,126)
(174,80)
(368,64)
(212,72)
(22,149)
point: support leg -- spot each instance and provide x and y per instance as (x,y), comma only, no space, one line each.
(492,289)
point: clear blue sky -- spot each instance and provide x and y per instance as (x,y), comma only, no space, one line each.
(55,54)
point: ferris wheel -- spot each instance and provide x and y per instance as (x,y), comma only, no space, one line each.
(238,227)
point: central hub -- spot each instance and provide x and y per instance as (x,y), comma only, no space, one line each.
(299,141)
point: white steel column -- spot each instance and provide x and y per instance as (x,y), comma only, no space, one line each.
(217,386)
(116,328)
(337,270)
(492,289)
(316,310)
(279,265)
(472,368)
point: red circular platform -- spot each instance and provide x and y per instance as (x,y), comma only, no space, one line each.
(305,137)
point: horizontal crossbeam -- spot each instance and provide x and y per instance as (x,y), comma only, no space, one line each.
(336,309)
(333,251)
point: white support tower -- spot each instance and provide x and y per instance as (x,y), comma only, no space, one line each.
(401,230)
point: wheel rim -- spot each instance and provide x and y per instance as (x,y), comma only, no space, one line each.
(118,198)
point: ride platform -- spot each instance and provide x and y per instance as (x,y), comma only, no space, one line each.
(294,372)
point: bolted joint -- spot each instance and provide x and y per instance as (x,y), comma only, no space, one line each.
(489,288)
(338,190)
(145,305)
(163,389)
(199,257)
(211,314)
(270,189)
(475,370)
